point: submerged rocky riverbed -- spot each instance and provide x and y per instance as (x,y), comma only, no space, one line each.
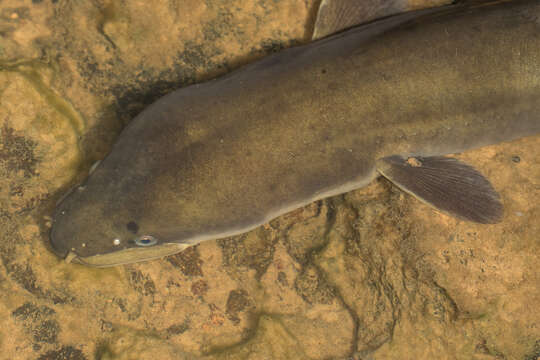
(372,274)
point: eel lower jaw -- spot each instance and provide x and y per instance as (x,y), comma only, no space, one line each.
(126,256)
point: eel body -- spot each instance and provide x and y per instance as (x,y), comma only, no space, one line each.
(390,97)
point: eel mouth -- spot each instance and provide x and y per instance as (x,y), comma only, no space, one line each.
(126,256)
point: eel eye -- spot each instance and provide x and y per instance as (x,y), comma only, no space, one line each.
(146,240)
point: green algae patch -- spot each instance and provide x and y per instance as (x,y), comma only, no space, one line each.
(30,70)
(32,112)
(269,339)
(126,342)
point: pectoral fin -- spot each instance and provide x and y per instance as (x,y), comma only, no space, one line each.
(446,184)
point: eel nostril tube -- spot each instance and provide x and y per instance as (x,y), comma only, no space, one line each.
(69,257)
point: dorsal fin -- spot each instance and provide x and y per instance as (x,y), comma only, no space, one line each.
(337,15)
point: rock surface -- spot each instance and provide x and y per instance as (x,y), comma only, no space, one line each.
(372,274)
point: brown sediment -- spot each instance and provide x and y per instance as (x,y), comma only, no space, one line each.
(371,272)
